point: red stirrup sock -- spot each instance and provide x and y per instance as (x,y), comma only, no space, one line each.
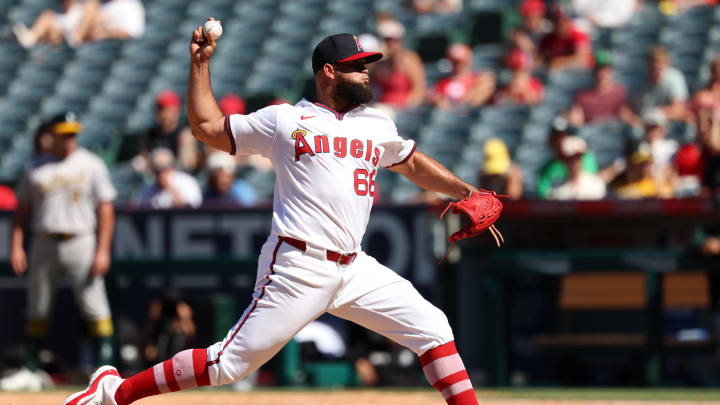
(446,372)
(187,369)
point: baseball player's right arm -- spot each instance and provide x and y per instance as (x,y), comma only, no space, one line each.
(18,258)
(206,119)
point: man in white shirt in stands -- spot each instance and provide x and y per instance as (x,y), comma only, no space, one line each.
(580,185)
(172,188)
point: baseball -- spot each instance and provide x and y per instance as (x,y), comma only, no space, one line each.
(213,28)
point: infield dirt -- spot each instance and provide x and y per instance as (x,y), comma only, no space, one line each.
(348,397)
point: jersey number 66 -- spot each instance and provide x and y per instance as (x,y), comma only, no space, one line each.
(364,182)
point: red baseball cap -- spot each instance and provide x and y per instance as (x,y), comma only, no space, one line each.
(340,48)
(232,104)
(168,98)
(518,59)
(531,7)
(688,160)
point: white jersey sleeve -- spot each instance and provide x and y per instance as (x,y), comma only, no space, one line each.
(252,133)
(102,188)
(397,149)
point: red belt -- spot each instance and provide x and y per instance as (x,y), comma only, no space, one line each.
(332,256)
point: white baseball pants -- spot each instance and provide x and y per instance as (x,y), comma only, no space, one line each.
(294,287)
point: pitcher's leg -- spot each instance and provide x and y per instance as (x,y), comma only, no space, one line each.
(377,298)
(296,290)
(293,290)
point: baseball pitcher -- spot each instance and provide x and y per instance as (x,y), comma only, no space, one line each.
(326,153)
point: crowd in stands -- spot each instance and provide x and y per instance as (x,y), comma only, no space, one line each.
(551,37)
(82,21)
(555,38)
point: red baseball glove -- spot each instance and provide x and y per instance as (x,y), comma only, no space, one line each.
(483,209)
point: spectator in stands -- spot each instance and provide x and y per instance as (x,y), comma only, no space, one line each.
(115,19)
(167,132)
(223,189)
(709,96)
(232,104)
(534,24)
(663,150)
(605,101)
(707,240)
(379,361)
(499,173)
(605,13)
(580,184)
(400,75)
(565,47)
(637,181)
(172,188)
(523,88)
(8,201)
(169,328)
(555,172)
(666,88)
(437,6)
(43,140)
(84,21)
(51,26)
(463,87)
(521,41)
(709,140)
(688,169)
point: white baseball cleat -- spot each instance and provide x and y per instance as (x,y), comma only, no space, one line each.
(101,389)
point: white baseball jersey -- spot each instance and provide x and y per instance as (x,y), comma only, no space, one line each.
(64,194)
(325,164)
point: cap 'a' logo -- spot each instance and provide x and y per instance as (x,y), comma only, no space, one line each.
(297,132)
(357,42)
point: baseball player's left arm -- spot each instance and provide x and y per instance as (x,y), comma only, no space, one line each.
(429,174)
(105,227)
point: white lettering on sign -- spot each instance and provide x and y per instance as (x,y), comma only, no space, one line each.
(184,244)
(242,230)
(207,235)
(128,243)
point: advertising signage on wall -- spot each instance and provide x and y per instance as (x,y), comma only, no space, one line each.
(396,236)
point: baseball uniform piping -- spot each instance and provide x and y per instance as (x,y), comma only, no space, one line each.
(228,131)
(406,157)
(262,293)
(338,115)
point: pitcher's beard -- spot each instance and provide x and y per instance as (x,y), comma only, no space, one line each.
(355,93)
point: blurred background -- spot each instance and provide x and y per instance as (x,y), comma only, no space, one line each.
(600,119)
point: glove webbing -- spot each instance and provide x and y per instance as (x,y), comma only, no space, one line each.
(493,230)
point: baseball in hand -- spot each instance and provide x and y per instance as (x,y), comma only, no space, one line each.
(213,28)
